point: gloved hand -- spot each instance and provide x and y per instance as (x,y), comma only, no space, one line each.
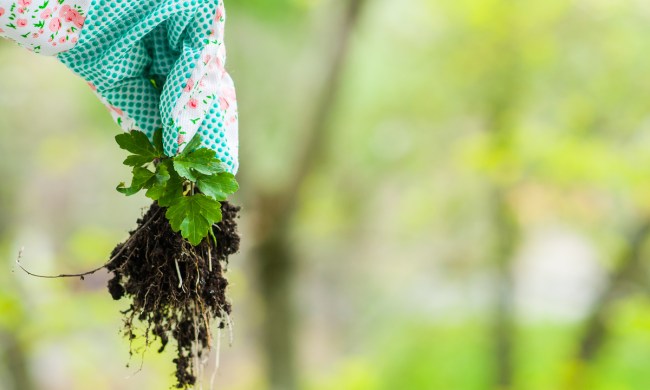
(153,63)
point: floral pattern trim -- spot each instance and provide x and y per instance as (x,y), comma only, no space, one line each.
(47,27)
(210,86)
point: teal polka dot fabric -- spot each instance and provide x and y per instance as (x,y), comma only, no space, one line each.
(154,63)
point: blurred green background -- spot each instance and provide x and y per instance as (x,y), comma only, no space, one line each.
(437,194)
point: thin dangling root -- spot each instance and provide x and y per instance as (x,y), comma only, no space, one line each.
(217,352)
(178,271)
(133,235)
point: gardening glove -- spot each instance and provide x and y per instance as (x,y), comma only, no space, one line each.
(153,63)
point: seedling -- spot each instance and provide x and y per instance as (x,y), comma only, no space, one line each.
(174,180)
(172,266)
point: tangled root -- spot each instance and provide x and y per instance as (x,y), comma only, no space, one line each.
(176,289)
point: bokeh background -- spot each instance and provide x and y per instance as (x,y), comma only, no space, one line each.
(437,194)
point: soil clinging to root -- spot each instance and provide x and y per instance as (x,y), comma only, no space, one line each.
(176,289)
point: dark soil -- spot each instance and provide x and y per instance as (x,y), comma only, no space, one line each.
(146,268)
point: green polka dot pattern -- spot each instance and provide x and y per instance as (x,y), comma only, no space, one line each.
(159,63)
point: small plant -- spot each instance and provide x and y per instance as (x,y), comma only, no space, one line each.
(172,265)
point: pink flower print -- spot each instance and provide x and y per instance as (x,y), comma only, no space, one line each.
(221,67)
(74,40)
(21,10)
(79,20)
(35,35)
(2,11)
(66,12)
(46,14)
(189,85)
(62,40)
(24,3)
(181,139)
(227,96)
(116,110)
(193,103)
(219,14)
(70,14)
(55,24)
(21,22)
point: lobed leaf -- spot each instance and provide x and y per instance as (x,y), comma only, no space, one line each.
(200,161)
(141,176)
(137,143)
(194,216)
(192,146)
(217,186)
(158,142)
(136,160)
(167,186)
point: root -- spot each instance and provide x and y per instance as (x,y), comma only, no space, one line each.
(217,352)
(148,270)
(178,271)
(175,290)
(83,274)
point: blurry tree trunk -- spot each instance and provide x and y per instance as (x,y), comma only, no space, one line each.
(595,332)
(503,322)
(501,126)
(13,357)
(275,267)
(275,260)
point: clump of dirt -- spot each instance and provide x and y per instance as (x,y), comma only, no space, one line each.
(176,289)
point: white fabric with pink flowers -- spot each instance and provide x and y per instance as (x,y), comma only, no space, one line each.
(210,81)
(47,27)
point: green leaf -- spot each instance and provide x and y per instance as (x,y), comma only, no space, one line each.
(159,182)
(194,216)
(217,186)
(135,160)
(200,161)
(167,185)
(141,177)
(158,141)
(173,190)
(191,146)
(137,143)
